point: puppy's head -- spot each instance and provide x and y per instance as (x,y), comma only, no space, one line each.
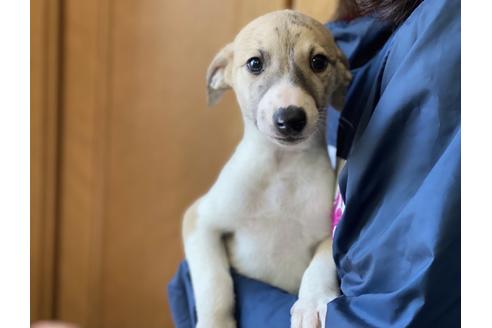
(285,68)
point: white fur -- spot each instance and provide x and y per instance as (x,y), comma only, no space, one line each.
(277,205)
(284,94)
(268,213)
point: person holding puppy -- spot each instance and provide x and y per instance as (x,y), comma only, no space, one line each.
(397,246)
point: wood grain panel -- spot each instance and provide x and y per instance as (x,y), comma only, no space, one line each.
(83,174)
(44,91)
(138,146)
(322,10)
(246,10)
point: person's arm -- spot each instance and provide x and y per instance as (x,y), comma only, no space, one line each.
(397,247)
(257,304)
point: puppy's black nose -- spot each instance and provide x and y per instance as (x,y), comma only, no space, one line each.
(290,121)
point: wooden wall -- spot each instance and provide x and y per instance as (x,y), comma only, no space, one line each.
(121,143)
(45,140)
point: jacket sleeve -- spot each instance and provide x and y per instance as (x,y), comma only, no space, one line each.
(257,304)
(397,247)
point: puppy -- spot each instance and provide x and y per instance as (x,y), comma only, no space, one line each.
(268,213)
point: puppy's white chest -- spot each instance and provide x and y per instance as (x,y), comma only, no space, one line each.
(287,216)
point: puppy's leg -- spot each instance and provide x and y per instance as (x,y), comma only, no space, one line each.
(319,286)
(209,269)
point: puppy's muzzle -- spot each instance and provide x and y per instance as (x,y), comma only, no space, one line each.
(290,121)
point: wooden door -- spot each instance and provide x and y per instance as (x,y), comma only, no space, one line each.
(322,10)
(122,144)
(44,139)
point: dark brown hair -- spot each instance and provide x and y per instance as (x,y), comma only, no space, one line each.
(395,11)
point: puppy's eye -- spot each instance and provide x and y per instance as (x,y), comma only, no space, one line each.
(319,63)
(254,65)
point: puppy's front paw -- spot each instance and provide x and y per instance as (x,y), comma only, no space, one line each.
(217,322)
(309,313)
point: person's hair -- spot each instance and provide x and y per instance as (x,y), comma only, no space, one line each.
(395,11)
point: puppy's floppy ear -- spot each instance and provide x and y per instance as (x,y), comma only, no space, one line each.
(343,79)
(219,74)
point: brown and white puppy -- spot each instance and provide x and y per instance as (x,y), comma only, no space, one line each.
(268,213)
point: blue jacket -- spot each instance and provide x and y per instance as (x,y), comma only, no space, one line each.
(397,247)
